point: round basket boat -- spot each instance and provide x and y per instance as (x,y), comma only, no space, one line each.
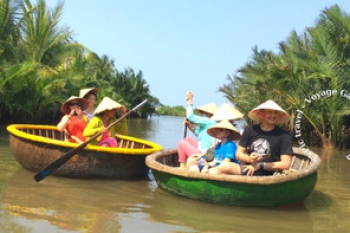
(283,188)
(36,146)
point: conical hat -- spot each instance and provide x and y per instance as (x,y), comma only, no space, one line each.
(84,92)
(227,112)
(65,106)
(208,108)
(107,104)
(255,113)
(235,135)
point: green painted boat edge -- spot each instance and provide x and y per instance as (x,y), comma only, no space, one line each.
(268,191)
(238,194)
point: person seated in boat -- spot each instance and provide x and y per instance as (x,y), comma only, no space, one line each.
(90,94)
(226,133)
(229,113)
(74,121)
(189,145)
(263,147)
(105,114)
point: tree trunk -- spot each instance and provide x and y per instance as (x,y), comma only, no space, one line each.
(327,142)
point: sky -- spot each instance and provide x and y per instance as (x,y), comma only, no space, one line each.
(187,45)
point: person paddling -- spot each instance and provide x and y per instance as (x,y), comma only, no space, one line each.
(189,145)
(105,115)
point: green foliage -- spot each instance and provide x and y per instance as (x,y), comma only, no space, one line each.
(301,76)
(171,111)
(41,66)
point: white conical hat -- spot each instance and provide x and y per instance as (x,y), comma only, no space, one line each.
(270,104)
(208,108)
(235,135)
(84,92)
(107,104)
(227,112)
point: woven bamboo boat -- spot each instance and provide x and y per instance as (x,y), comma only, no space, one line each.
(283,188)
(36,146)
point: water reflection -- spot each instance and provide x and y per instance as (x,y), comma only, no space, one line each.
(208,217)
(70,205)
(165,130)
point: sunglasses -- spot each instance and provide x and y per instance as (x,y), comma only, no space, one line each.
(72,104)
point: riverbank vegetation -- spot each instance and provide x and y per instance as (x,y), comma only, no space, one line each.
(308,76)
(171,111)
(41,65)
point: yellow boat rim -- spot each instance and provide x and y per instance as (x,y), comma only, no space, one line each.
(16,130)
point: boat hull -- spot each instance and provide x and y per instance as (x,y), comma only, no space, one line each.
(229,189)
(36,152)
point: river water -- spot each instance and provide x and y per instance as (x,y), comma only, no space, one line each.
(71,205)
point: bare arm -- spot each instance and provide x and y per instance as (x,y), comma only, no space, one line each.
(243,157)
(63,123)
(284,164)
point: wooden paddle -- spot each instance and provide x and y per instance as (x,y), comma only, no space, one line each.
(185,129)
(64,158)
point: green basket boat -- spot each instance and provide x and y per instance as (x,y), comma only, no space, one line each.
(283,188)
(36,146)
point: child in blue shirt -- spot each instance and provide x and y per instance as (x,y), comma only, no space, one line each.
(225,132)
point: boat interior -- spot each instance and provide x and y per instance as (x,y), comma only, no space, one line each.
(62,136)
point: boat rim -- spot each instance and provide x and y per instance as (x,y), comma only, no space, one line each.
(14,129)
(151,162)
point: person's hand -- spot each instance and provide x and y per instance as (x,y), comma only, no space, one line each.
(123,110)
(72,112)
(255,158)
(189,98)
(79,112)
(189,95)
(251,168)
(189,124)
(103,130)
(196,157)
(186,121)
